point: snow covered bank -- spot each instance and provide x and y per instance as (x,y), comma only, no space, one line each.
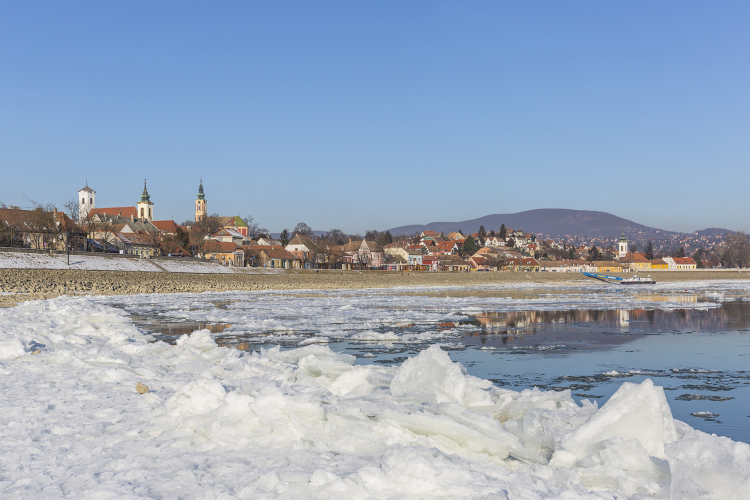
(34,260)
(220,423)
(23,260)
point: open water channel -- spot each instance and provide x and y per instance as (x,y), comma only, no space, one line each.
(691,338)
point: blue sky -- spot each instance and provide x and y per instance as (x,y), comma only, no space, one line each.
(359,116)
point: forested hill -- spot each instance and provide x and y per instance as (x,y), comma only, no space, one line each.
(556,222)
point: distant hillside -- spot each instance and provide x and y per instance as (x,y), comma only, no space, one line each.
(713,231)
(557,222)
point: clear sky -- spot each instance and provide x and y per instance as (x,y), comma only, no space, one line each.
(370,115)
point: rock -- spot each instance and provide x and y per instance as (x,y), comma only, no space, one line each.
(141,388)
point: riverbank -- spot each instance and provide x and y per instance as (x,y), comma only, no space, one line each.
(19,285)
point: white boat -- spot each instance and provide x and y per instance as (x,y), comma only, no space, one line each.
(616,280)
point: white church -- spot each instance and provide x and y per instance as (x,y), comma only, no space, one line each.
(143,210)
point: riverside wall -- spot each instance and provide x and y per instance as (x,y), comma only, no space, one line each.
(17,285)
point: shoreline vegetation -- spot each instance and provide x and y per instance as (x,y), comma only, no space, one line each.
(20,285)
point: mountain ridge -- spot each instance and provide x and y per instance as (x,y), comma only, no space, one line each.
(555,222)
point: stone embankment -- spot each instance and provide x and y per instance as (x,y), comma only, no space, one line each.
(17,285)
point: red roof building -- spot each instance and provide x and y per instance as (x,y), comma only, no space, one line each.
(114,212)
(165,226)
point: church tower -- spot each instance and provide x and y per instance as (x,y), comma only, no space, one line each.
(622,246)
(145,208)
(200,204)
(87,197)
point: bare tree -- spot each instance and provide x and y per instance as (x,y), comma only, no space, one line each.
(201,230)
(303,229)
(737,249)
(254,231)
(41,222)
(12,224)
(329,250)
(169,244)
(335,235)
(72,209)
(106,233)
(90,227)
(496,259)
(5,240)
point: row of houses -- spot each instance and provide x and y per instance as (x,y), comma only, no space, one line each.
(133,230)
(38,229)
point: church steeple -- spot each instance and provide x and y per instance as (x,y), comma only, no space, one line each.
(145,208)
(145,198)
(201,209)
(622,246)
(201,196)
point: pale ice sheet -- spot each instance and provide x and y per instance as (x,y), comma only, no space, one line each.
(398,315)
(221,423)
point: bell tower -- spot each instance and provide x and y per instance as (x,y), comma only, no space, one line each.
(200,204)
(88,202)
(145,208)
(622,246)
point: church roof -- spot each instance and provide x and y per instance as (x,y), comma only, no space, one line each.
(145,198)
(114,212)
(235,221)
(201,196)
(87,189)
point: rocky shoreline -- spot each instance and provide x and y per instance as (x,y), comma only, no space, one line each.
(19,285)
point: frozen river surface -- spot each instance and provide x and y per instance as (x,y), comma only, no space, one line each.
(495,392)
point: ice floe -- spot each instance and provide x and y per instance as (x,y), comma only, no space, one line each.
(392,315)
(307,422)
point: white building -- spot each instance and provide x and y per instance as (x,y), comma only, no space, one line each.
(622,246)
(87,197)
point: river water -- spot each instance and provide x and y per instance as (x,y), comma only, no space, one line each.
(691,338)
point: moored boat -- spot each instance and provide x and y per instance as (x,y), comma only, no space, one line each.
(616,280)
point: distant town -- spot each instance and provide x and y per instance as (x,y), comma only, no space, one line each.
(81,226)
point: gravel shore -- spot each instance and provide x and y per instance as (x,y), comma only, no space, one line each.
(18,285)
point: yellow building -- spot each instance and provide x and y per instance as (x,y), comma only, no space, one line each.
(607,266)
(684,263)
(659,264)
(227,253)
(635,262)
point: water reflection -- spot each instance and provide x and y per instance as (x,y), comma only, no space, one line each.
(170,331)
(733,315)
